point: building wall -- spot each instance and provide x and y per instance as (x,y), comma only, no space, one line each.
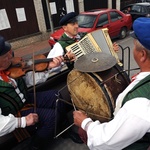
(118,4)
(42,35)
(46,29)
(81,5)
(45,22)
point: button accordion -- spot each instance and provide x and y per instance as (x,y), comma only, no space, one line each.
(96,41)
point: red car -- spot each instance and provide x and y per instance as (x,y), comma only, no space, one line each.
(117,22)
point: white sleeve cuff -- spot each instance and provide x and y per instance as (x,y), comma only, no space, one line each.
(84,123)
(23,122)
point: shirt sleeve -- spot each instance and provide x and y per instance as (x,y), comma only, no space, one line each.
(129,125)
(9,123)
(57,50)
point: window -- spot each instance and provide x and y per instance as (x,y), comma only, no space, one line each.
(143,10)
(148,8)
(86,21)
(115,16)
(136,8)
(103,20)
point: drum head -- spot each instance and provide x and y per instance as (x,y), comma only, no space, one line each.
(95,62)
(88,96)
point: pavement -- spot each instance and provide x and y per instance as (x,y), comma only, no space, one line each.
(34,48)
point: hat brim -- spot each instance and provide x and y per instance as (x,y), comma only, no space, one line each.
(132,34)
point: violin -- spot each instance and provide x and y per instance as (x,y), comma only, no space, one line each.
(19,66)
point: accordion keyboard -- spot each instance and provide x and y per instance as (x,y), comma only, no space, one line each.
(83,47)
(87,46)
(77,50)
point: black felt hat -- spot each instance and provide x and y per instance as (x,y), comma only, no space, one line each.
(4,46)
(68,18)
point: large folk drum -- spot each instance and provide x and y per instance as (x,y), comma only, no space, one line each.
(95,93)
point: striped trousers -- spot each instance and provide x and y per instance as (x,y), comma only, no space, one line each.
(45,108)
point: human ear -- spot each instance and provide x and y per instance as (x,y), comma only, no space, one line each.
(64,27)
(143,56)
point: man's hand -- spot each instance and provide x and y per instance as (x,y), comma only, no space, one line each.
(56,62)
(79,117)
(31,119)
(115,47)
(71,56)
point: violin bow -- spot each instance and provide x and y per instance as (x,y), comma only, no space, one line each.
(34,89)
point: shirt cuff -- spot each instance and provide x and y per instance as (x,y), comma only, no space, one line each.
(85,122)
(23,122)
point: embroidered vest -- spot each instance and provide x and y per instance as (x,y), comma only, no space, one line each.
(10,102)
(142,89)
(65,41)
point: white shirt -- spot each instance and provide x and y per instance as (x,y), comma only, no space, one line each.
(130,123)
(41,77)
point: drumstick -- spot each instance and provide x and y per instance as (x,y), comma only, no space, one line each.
(73,105)
(64,131)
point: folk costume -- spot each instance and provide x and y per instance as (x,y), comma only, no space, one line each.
(132,109)
(15,101)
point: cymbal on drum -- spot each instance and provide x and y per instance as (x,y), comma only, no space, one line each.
(95,62)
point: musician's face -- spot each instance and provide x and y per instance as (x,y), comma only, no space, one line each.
(71,29)
(5,61)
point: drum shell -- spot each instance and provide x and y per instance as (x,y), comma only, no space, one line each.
(96,93)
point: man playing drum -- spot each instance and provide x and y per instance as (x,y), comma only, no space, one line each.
(130,127)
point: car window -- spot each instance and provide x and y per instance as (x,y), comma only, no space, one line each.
(143,10)
(115,16)
(136,8)
(148,9)
(86,21)
(103,20)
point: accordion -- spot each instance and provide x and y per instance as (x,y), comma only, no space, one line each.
(96,41)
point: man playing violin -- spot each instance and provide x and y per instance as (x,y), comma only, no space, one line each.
(14,100)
